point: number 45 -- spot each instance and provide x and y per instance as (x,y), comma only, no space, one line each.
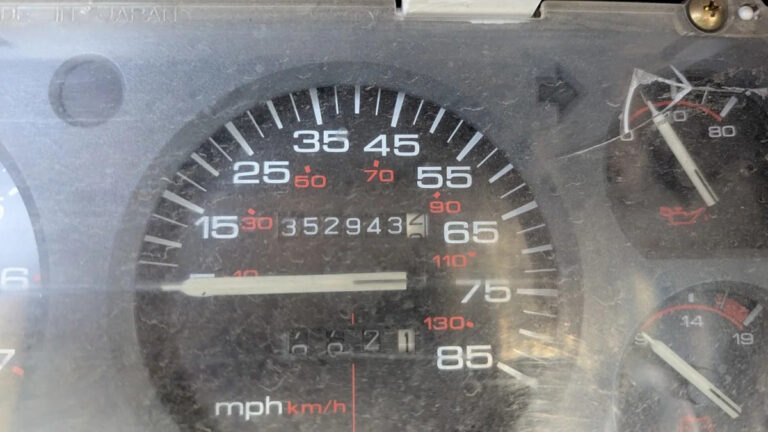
(404,145)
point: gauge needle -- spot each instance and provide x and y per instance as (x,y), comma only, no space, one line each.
(683,157)
(291,284)
(693,376)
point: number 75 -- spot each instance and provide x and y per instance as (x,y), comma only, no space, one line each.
(496,290)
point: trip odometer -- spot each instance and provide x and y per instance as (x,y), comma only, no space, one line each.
(347,258)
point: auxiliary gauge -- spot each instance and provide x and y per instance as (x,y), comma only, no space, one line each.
(699,364)
(689,174)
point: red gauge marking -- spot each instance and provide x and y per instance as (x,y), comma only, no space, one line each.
(442,323)
(352,318)
(692,306)
(316,181)
(354,410)
(676,216)
(245,273)
(695,424)
(732,308)
(253,223)
(380,175)
(456,260)
(440,207)
(18,371)
(664,103)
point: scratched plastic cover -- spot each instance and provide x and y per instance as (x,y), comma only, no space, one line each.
(604,271)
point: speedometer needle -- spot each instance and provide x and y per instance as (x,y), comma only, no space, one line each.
(291,284)
(693,376)
(683,157)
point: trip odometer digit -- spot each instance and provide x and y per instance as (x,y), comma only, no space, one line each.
(347,258)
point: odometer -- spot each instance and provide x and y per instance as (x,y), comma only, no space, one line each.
(348,258)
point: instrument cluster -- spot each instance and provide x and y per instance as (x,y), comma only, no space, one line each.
(345,217)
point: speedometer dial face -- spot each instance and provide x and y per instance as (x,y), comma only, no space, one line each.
(692,177)
(348,258)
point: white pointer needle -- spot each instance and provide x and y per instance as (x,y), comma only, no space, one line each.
(693,376)
(291,284)
(683,157)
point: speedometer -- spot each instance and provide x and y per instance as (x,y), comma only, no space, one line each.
(348,258)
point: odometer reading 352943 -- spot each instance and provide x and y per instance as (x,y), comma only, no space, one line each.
(347,258)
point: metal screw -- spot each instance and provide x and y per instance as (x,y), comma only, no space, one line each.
(708,15)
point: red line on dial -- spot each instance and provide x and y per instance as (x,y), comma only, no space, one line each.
(692,306)
(664,103)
